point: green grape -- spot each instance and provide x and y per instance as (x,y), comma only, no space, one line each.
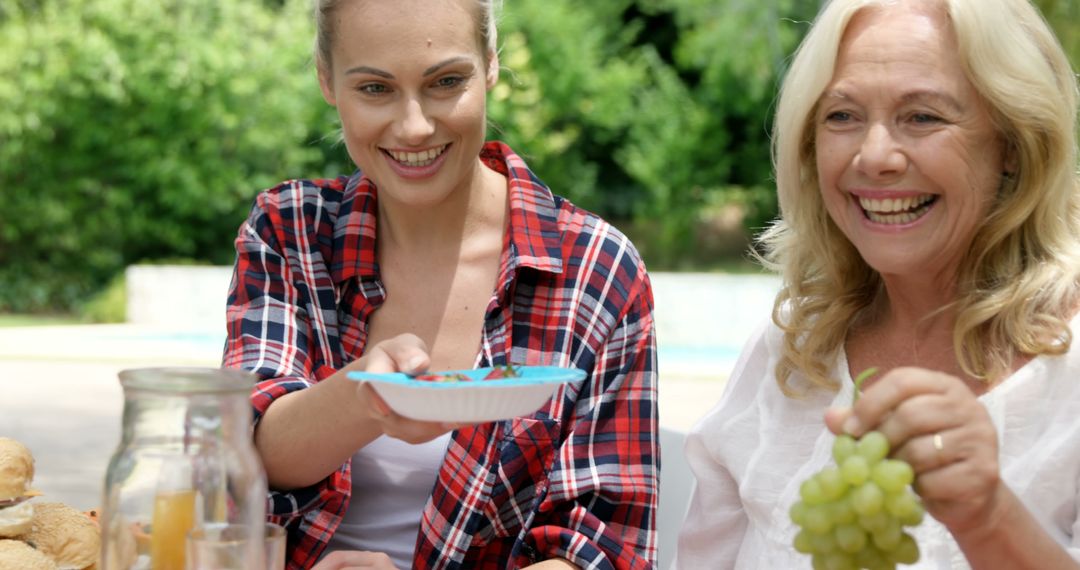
(818,519)
(832,483)
(804,542)
(839,561)
(873,447)
(822,543)
(842,448)
(867,499)
(852,514)
(888,538)
(871,557)
(914,518)
(812,493)
(841,511)
(855,470)
(797,512)
(850,538)
(907,552)
(903,505)
(875,522)
(892,475)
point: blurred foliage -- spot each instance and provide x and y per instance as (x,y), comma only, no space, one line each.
(107,305)
(643,111)
(143,129)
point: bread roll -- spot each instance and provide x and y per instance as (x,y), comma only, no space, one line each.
(65,535)
(16,469)
(15,554)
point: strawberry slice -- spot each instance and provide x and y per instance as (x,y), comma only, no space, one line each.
(456,377)
(504,371)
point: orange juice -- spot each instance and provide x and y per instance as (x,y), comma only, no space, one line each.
(174,515)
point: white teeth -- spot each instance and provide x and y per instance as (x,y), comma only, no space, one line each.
(896,210)
(416,159)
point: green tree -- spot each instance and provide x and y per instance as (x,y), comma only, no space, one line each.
(135,129)
(648,110)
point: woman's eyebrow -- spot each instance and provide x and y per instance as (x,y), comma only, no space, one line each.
(376,71)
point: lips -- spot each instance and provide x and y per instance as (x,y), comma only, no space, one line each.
(417,159)
(895,211)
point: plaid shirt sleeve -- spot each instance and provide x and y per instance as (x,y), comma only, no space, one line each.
(601,501)
(274,323)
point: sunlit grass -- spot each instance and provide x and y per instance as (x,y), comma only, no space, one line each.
(7,320)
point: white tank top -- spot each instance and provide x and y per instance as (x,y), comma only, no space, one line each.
(391,482)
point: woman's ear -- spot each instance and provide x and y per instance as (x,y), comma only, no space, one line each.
(492,76)
(1012,159)
(326,83)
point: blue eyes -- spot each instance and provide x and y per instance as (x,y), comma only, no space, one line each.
(445,83)
(925,118)
(449,81)
(916,118)
(372,89)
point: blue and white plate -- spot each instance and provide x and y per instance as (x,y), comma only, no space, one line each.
(471,399)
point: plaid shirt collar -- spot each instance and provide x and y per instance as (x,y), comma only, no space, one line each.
(534,234)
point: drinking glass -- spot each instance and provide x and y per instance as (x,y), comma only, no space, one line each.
(186,458)
(221,546)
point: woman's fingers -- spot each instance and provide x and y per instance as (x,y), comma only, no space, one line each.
(378,406)
(925,413)
(403,353)
(835,417)
(349,559)
(887,393)
(400,427)
(935,423)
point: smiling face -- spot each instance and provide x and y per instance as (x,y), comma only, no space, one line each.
(908,158)
(409,80)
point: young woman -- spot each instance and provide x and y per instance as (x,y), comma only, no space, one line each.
(442,252)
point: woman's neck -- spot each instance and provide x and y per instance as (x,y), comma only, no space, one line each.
(475,209)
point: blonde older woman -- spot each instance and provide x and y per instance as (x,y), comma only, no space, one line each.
(925,158)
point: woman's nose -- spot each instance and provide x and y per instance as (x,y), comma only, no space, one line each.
(880,154)
(414,126)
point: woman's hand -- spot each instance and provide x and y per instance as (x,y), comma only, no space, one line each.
(934,422)
(404,353)
(354,559)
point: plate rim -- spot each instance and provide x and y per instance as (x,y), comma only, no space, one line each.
(555,375)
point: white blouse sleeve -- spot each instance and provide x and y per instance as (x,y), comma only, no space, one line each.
(714,527)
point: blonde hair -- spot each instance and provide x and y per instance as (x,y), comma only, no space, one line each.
(485,18)
(1020,276)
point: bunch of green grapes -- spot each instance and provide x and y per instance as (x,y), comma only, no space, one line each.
(852,515)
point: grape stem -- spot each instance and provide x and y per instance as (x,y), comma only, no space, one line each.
(862,377)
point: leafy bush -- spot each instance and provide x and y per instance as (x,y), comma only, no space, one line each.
(107,305)
(142,128)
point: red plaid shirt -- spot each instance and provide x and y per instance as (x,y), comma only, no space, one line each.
(577,479)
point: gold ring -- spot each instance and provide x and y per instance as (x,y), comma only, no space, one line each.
(939,444)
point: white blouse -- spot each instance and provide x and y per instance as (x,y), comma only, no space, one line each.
(753,449)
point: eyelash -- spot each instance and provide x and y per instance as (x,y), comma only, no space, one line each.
(922,118)
(448,82)
(836,116)
(918,118)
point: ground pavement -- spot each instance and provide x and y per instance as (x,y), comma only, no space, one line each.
(59,395)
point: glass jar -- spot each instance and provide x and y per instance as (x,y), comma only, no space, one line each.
(186,458)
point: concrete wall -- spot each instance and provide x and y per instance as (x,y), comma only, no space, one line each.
(710,309)
(186,297)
